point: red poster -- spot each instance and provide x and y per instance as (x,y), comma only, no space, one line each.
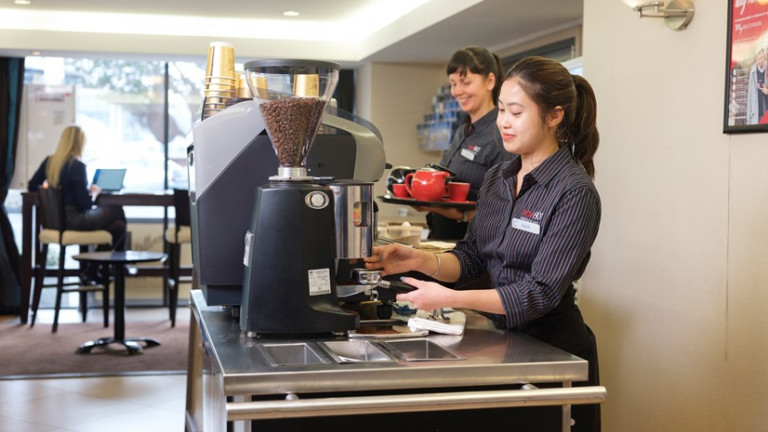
(746,87)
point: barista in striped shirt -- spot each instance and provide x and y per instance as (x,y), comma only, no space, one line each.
(537,218)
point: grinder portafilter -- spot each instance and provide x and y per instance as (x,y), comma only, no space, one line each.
(292,96)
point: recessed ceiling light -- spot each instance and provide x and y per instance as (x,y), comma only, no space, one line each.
(36,53)
(23,2)
(290,13)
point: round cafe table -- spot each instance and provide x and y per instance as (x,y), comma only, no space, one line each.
(118,260)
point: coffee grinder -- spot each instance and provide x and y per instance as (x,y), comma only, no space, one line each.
(289,279)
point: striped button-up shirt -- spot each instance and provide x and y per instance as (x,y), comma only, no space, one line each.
(537,244)
(472,154)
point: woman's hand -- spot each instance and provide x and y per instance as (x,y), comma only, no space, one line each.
(394,259)
(95,191)
(428,295)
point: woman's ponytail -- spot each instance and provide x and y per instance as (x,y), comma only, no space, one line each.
(582,132)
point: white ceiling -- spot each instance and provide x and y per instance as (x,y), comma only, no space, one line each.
(348,31)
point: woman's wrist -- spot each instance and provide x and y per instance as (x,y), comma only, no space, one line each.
(430,264)
(437,268)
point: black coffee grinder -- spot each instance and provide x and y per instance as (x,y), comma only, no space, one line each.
(289,280)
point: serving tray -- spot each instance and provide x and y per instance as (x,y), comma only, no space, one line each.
(414,202)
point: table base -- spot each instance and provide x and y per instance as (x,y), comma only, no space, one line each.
(131,344)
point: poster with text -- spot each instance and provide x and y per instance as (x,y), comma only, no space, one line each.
(746,87)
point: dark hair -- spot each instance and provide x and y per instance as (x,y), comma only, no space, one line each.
(549,84)
(477,60)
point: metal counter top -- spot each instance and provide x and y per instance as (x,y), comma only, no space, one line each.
(492,357)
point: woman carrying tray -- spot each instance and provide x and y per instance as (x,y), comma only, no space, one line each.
(474,74)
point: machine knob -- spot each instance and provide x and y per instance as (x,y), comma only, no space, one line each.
(317,200)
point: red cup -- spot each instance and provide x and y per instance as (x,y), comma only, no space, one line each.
(458,191)
(400,190)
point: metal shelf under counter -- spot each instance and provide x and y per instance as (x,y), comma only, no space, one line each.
(232,381)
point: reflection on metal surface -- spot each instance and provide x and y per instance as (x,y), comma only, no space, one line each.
(414,403)
(354,351)
(286,354)
(420,350)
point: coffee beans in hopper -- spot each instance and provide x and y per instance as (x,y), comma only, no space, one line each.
(292,124)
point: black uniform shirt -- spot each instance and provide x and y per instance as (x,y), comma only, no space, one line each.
(536,245)
(475,148)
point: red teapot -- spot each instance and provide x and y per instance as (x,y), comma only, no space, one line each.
(427,184)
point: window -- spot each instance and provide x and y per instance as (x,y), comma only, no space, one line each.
(135,114)
(560,51)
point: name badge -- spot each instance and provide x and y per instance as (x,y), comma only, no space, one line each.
(469,154)
(530,227)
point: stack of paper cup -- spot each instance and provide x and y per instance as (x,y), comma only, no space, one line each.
(220,82)
(243,91)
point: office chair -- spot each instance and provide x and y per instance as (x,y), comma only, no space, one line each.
(51,206)
(176,235)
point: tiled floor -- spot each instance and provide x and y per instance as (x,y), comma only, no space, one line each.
(114,404)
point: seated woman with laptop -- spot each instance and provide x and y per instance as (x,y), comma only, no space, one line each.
(64,169)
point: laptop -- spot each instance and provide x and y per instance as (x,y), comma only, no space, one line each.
(109,179)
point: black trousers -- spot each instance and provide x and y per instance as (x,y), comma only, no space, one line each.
(110,218)
(564,328)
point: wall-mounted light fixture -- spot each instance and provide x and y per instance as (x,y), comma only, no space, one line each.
(677,15)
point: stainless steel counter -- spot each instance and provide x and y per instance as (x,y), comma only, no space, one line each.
(230,379)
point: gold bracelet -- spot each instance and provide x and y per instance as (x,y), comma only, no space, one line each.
(438,266)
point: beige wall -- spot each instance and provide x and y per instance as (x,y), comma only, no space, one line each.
(677,288)
(395,97)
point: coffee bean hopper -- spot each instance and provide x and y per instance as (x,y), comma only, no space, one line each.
(289,283)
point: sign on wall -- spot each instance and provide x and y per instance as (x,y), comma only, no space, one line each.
(45,111)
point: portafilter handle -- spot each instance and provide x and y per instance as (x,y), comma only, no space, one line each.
(373,277)
(366,277)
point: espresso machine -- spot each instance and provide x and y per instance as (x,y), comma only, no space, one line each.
(267,211)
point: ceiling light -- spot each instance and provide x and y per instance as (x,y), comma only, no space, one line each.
(23,2)
(290,13)
(36,53)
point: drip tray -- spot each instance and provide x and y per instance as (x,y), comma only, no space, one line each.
(355,351)
(291,354)
(420,350)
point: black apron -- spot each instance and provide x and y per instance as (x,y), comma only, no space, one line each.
(564,328)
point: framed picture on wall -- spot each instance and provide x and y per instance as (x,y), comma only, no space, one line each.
(746,83)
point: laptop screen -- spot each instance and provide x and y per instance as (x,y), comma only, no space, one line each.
(109,180)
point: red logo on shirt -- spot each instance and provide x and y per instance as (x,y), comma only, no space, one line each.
(531,215)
